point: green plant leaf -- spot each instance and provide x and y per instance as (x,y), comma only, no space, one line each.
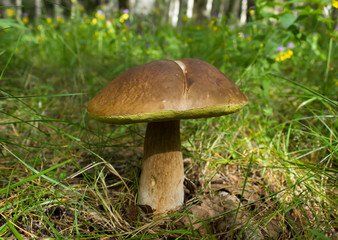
(318,234)
(13,229)
(287,19)
(8,23)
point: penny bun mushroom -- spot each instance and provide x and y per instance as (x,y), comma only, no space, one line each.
(162,93)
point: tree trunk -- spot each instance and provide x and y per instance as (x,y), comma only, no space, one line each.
(73,9)
(190,8)
(173,12)
(215,9)
(57,8)
(110,7)
(199,9)
(208,7)
(18,4)
(235,8)
(38,9)
(244,11)
(162,7)
(182,11)
(142,7)
(225,7)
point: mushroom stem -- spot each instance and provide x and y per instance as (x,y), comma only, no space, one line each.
(161,181)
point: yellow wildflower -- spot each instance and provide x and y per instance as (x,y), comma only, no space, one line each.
(40,39)
(282,56)
(94,21)
(198,27)
(125,16)
(81,7)
(10,12)
(185,18)
(100,14)
(108,23)
(49,20)
(251,12)
(60,19)
(25,20)
(335,3)
(290,52)
(211,23)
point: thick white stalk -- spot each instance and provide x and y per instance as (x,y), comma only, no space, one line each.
(161,181)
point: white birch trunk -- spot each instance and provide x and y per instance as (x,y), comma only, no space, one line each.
(110,7)
(73,9)
(141,7)
(38,8)
(244,11)
(173,11)
(18,4)
(190,8)
(208,8)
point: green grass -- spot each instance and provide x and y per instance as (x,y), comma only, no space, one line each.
(268,171)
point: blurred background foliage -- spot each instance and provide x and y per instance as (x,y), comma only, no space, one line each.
(110,36)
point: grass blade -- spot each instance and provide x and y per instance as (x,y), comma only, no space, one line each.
(312,92)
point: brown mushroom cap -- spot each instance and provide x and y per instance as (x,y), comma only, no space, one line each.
(167,90)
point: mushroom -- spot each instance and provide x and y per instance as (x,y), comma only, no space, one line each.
(161,93)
